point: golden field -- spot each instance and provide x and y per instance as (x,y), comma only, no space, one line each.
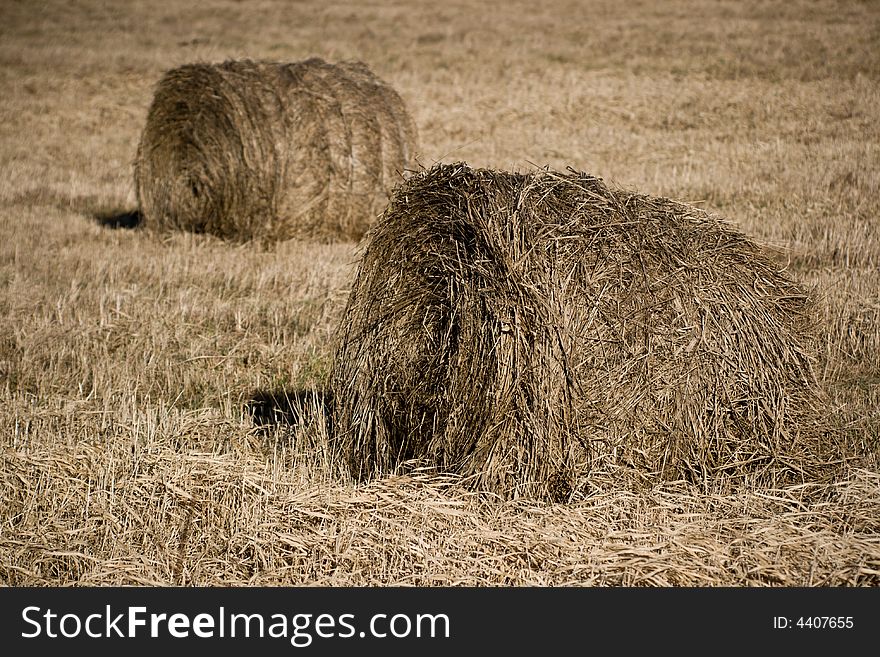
(132,449)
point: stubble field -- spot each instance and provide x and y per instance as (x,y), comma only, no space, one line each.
(161,397)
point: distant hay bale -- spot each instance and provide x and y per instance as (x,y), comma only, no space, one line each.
(249,149)
(528,330)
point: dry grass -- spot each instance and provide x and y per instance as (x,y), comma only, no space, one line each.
(127,361)
(272,151)
(155,514)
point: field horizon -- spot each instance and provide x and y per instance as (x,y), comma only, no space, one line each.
(164,397)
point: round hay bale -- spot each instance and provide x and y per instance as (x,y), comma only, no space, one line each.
(528,330)
(272,151)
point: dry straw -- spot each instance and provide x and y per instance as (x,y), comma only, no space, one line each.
(537,331)
(250,149)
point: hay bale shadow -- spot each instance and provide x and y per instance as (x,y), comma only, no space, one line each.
(108,213)
(105,212)
(286,407)
(114,219)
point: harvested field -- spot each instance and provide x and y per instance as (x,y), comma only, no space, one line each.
(529,331)
(272,151)
(164,400)
(200,519)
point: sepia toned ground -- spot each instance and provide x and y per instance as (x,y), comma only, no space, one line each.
(161,397)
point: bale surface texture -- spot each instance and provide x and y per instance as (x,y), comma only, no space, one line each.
(272,151)
(534,331)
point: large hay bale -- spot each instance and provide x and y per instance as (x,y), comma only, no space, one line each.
(252,149)
(527,330)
